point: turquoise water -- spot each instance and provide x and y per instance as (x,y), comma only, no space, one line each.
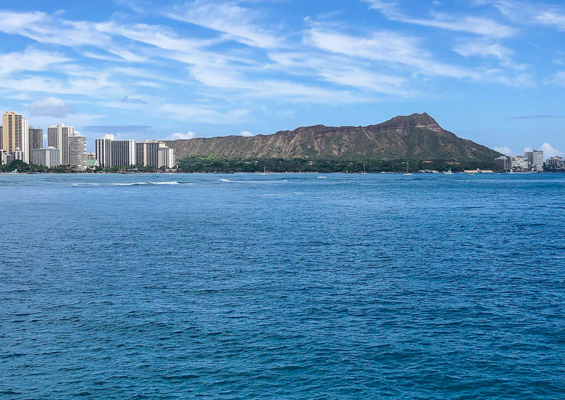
(282,286)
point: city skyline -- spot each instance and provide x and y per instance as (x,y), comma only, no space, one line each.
(491,71)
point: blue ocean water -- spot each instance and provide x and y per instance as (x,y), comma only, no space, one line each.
(282,286)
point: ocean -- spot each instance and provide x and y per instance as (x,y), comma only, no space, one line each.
(284,286)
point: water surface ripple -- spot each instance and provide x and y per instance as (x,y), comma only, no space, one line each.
(282,286)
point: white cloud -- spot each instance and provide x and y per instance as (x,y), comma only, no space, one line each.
(558,79)
(483,48)
(181,136)
(238,22)
(230,79)
(477,25)
(549,151)
(504,150)
(387,47)
(29,60)
(246,134)
(339,70)
(44,28)
(200,113)
(51,107)
(553,17)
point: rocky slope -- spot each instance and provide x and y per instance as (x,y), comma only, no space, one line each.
(417,137)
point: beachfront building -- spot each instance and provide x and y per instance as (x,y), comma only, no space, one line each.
(104,150)
(148,153)
(502,163)
(535,158)
(556,163)
(123,153)
(152,153)
(77,151)
(115,153)
(15,135)
(519,164)
(35,138)
(166,156)
(48,157)
(58,137)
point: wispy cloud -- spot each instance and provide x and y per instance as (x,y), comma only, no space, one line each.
(51,107)
(504,150)
(181,136)
(389,47)
(200,113)
(109,129)
(539,117)
(239,23)
(459,23)
(29,60)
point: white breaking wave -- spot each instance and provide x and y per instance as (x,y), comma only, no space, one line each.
(130,184)
(225,180)
(164,183)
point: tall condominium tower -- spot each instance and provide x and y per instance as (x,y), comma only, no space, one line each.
(166,156)
(35,138)
(147,153)
(104,151)
(15,134)
(58,137)
(115,153)
(77,151)
(123,153)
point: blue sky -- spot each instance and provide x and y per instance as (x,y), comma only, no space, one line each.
(492,71)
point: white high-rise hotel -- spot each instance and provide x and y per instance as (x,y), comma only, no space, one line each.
(121,153)
(71,145)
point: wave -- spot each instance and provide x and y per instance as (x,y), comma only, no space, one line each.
(225,180)
(85,184)
(164,183)
(130,184)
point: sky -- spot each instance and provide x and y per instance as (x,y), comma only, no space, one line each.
(492,71)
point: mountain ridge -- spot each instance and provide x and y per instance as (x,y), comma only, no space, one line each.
(417,136)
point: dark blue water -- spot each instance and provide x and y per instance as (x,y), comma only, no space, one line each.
(282,286)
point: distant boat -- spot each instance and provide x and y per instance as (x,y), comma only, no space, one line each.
(407,173)
(264,171)
(450,172)
(364,170)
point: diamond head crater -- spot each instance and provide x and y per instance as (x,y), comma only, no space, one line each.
(413,142)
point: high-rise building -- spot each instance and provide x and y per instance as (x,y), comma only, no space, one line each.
(104,151)
(18,154)
(166,156)
(48,157)
(502,163)
(537,161)
(35,138)
(58,137)
(123,153)
(147,153)
(15,134)
(556,163)
(519,163)
(1,137)
(77,151)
